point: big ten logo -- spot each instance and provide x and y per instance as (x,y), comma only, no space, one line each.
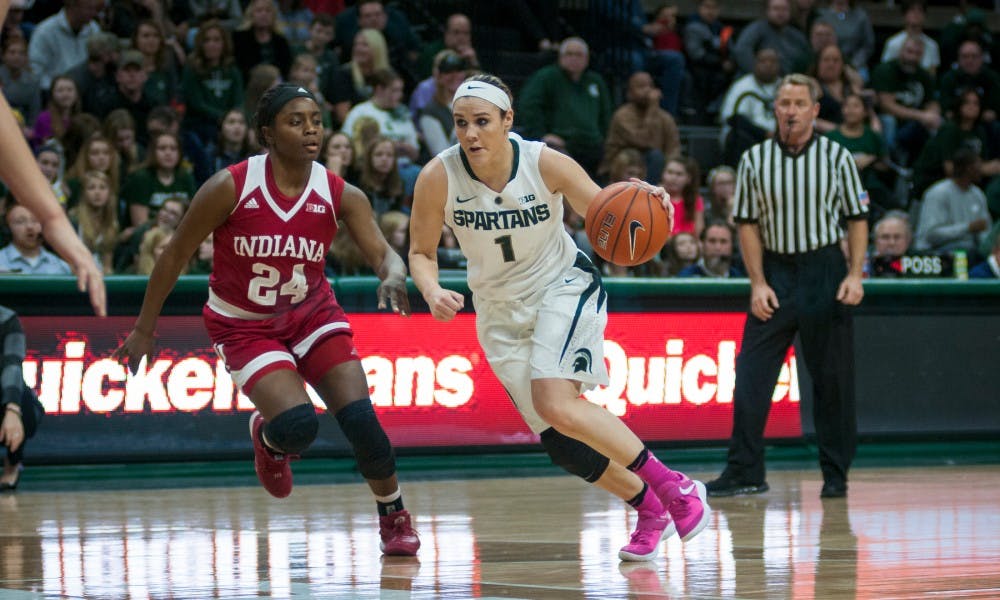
(921,265)
(75,382)
(675,378)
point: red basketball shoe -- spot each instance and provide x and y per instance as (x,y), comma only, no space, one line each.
(273,469)
(398,536)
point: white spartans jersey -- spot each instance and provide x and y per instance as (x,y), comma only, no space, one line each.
(515,241)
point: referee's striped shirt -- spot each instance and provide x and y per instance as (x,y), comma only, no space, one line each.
(798,200)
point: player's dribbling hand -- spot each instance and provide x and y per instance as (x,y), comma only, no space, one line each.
(135,347)
(445,304)
(659,192)
(392,292)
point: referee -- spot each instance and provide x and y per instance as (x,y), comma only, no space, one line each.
(791,193)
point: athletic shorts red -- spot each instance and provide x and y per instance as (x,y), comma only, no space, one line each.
(312,338)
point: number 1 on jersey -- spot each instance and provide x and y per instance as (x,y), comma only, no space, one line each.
(506,247)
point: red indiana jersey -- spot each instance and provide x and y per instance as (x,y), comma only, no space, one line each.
(270,252)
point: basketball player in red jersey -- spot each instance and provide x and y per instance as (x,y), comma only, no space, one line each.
(271,314)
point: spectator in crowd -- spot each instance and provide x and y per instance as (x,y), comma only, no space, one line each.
(434,120)
(294,20)
(337,155)
(119,127)
(682,180)
(392,116)
(261,78)
(80,129)
(707,47)
(354,81)
(966,129)
(14,23)
(161,119)
(401,40)
(258,41)
(989,268)
(395,226)
(131,78)
(954,215)
(968,24)
(457,38)
(159,62)
(446,62)
(227,13)
(95,219)
(60,41)
(201,262)
(380,178)
(821,35)
(154,242)
(625,23)
(122,17)
(717,253)
(95,76)
(568,106)
(776,32)
(318,45)
(626,164)
(971,72)
(305,73)
(721,182)
(868,148)
(160,177)
(50,162)
(914,17)
(907,98)
(64,102)
(20,410)
(130,241)
(96,154)
(663,29)
(234,144)
(641,124)
(20,86)
(211,84)
(680,253)
(836,80)
(747,113)
(855,34)
(893,234)
(25,253)
(804,14)
(450,256)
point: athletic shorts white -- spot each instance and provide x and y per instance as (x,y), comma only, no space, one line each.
(558,333)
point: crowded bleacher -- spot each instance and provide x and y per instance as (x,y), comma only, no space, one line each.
(130,105)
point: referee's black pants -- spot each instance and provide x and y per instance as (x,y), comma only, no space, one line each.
(806,285)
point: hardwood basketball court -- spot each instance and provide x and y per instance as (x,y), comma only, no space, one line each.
(902,533)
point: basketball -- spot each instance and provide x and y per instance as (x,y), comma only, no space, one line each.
(626,225)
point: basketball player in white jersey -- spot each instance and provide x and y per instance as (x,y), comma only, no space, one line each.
(540,305)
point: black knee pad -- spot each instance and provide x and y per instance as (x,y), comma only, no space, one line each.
(573,455)
(293,430)
(372,449)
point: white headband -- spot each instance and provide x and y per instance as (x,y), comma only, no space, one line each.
(486,91)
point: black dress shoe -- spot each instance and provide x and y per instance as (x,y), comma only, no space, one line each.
(833,489)
(726,486)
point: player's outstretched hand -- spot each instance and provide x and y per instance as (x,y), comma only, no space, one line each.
(392,292)
(445,304)
(660,193)
(136,346)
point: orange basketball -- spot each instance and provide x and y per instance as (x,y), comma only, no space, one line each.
(626,225)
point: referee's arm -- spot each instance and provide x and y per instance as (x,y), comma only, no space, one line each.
(763,300)
(854,201)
